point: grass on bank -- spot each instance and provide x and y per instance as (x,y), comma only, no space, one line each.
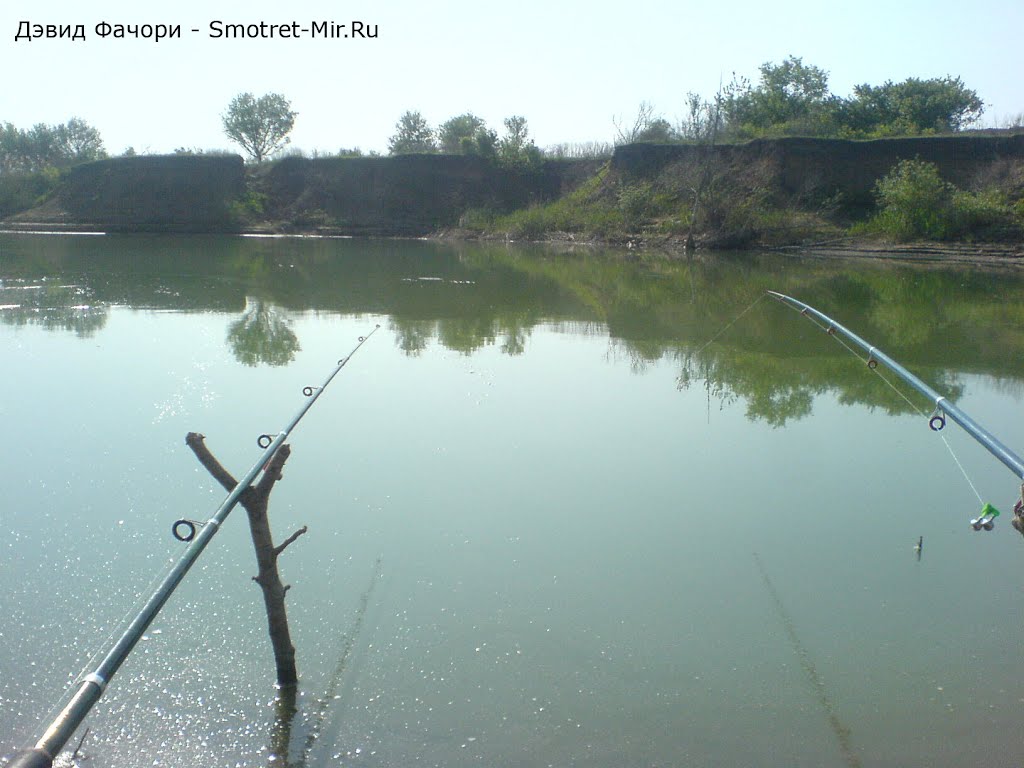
(730,213)
(738,209)
(587,211)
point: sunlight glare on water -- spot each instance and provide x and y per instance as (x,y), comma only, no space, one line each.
(549,524)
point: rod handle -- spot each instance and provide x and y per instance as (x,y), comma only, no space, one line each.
(31,758)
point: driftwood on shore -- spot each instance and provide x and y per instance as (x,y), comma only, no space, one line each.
(255,500)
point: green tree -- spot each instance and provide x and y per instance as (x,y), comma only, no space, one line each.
(516,136)
(704,118)
(658,131)
(467,134)
(792,97)
(79,142)
(484,143)
(938,105)
(516,148)
(43,147)
(48,146)
(413,135)
(456,130)
(13,150)
(260,126)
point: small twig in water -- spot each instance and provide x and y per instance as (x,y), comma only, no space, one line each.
(74,755)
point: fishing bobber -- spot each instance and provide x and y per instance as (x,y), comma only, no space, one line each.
(986,519)
(943,408)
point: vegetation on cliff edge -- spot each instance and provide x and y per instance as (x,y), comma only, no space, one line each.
(741,206)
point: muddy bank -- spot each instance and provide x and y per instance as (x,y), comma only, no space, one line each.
(1009,255)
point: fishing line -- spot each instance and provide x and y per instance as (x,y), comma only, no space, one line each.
(921,413)
(682,380)
(942,437)
(349,641)
(873,366)
(841,732)
(729,325)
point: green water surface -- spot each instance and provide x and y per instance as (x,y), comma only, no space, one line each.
(563,509)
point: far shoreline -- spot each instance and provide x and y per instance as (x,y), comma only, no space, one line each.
(986,254)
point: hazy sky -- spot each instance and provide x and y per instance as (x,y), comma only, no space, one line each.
(569,67)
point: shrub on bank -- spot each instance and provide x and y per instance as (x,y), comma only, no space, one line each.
(20,192)
(914,203)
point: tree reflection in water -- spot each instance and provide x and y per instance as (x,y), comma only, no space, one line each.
(412,336)
(262,335)
(51,305)
(465,335)
(939,322)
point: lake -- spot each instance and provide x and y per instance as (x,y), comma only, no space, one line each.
(564,509)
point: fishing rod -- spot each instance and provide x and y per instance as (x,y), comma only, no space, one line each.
(89,688)
(943,407)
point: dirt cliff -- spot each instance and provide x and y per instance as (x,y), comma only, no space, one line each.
(404,195)
(818,169)
(420,194)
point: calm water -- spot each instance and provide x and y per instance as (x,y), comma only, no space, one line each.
(550,524)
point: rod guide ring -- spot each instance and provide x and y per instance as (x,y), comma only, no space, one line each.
(189,530)
(264,441)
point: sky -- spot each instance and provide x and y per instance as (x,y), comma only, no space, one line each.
(572,69)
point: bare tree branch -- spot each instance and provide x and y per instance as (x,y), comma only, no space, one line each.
(626,134)
(195,441)
(290,540)
(254,499)
(272,472)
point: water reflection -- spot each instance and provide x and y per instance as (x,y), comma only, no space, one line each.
(778,390)
(412,336)
(52,305)
(468,297)
(262,335)
(570,577)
